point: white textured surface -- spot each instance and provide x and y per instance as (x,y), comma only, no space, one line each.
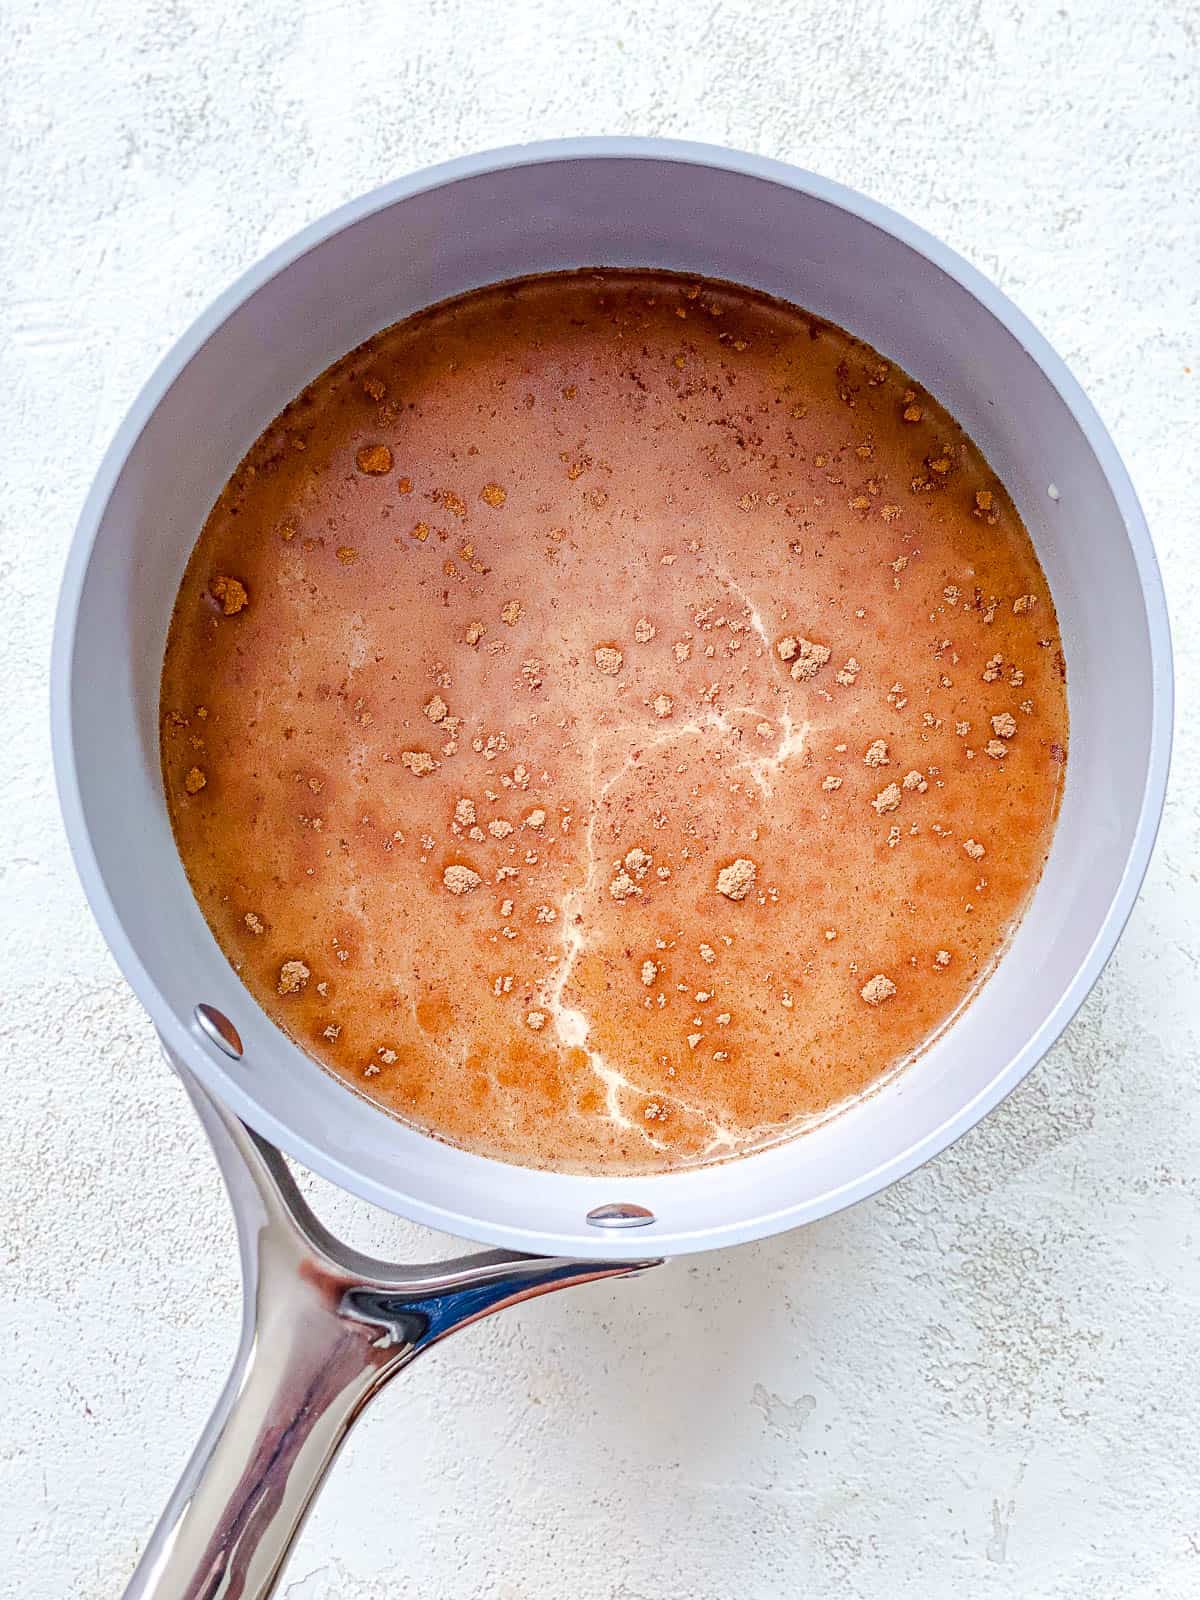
(983,1382)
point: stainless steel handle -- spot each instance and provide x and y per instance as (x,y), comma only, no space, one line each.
(323,1329)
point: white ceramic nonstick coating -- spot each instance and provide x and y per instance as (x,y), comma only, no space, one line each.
(635,203)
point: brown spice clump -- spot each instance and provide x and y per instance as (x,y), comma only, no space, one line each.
(293,975)
(887,799)
(638,861)
(374,460)
(609,659)
(493,495)
(811,659)
(877,990)
(736,880)
(231,592)
(194,781)
(460,880)
(877,754)
(1004,724)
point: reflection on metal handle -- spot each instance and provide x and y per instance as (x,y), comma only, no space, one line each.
(323,1329)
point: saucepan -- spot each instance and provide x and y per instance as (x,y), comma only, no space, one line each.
(325,1327)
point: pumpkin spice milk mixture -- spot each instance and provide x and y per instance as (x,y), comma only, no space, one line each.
(611,720)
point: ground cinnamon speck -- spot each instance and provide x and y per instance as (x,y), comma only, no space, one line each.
(735,880)
(460,880)
(877,989)
(811,658)
(231,593)
(374,460)
(293,975)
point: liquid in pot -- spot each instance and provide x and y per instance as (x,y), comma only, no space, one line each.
(612,720)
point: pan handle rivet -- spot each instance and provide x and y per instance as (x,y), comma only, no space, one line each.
(217,1029)
(620,1214)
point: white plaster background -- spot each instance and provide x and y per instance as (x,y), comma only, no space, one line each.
(985,1382)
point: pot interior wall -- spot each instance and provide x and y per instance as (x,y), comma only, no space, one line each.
(419,246)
